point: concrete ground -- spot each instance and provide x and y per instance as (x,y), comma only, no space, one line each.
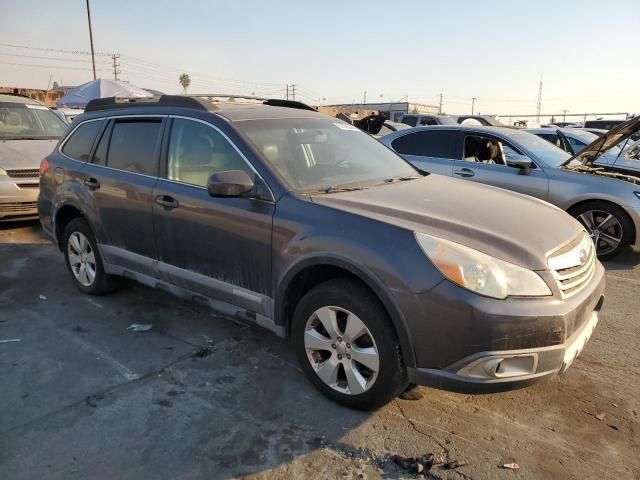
(200,396)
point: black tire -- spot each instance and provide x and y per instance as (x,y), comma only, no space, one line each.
(350,295)
(103,283)
(622,230)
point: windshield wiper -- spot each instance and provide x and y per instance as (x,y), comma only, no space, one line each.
(399,179)
(335,189)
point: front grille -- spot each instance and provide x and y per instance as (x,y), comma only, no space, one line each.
(28,185)
(18,207)
(572,269)
(24,173)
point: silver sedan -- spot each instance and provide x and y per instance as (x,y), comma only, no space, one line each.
(605,201)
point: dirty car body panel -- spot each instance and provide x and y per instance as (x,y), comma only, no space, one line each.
(248,255)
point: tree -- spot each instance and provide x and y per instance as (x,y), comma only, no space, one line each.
(185,81)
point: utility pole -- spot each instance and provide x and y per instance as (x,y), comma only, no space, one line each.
(287,91)
(440,105)
(293,92)
(539,104)
(93,57)
(116,64)
(364,97)
(564,115)
(473,104)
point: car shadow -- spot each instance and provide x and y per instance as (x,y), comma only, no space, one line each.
(627,260)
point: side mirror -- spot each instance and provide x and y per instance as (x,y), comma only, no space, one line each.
(231,183)
(522,162)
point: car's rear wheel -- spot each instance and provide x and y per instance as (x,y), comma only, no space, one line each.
(347,345)
(83,259)
(608,225)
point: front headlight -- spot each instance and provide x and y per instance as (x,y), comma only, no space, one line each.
(479,272)
(2,173)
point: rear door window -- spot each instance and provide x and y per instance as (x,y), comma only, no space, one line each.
(134,145)
(431,143)
(428,121)
(79,144)
(410,120)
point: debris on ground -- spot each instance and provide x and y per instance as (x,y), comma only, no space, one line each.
(317,442)
(9,340)
(453,465)
(80,329)
(204,351)
(92,400)
(417,465)
(413,392)
(43,296)
(164,402)
(600,416)
(510,466)
(139,327)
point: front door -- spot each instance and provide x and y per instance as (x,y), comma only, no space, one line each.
(486,160)
(219,247)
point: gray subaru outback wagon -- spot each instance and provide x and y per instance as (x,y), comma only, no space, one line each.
(303,224)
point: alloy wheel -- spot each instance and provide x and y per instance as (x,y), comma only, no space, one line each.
(82,259)
(604,229)
(341,350)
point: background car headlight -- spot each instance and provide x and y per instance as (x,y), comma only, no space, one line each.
(2,173)
(479,272)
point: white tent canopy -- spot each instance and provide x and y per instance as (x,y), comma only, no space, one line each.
(100,88)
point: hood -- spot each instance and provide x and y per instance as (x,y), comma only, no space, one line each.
(15,154)
(507,225)
(592,152)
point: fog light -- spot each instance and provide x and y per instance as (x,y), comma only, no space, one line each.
(501,366)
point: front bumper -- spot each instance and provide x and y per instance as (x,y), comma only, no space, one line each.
(18,198)
(490,347)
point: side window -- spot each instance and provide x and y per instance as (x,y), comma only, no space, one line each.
(410,120)
(133,146)
(197,151)
(100,155)
(551,138)
(577,145)
(78,146)
(484,150)
(427,121)
(440,144)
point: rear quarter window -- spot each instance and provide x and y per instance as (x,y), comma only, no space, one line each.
(79,144)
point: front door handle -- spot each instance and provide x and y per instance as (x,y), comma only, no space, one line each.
(167,202)
(464,172)
(92,182)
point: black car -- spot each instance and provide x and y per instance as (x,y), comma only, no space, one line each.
(311,228)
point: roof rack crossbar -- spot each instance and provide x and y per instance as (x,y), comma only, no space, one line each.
(110,103)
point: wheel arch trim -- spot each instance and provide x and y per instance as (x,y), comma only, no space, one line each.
(366,276)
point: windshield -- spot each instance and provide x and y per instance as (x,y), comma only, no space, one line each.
(447,121)
(320,154)
(542,150)
(25,121)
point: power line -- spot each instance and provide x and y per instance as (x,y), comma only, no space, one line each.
(60,67)
(57,50)
(75,60)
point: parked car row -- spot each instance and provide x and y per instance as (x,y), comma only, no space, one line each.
(590,185)
(382,272)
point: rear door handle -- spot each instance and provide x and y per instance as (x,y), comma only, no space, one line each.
(167,202)
(91,182)
(464,172)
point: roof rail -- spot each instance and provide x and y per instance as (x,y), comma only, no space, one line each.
(111,103)
(277,102)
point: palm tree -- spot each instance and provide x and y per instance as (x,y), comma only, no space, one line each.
(185,81)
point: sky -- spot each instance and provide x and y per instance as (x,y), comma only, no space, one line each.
(586,52)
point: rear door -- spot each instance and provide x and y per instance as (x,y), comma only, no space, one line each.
(219,247)
(119,182)
(432,151)
(500,174)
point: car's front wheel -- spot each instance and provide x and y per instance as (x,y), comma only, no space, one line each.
(347,345)
(83,259)
(608,225)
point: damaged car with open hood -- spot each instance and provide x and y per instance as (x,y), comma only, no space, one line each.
(603,196)
(382,276)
